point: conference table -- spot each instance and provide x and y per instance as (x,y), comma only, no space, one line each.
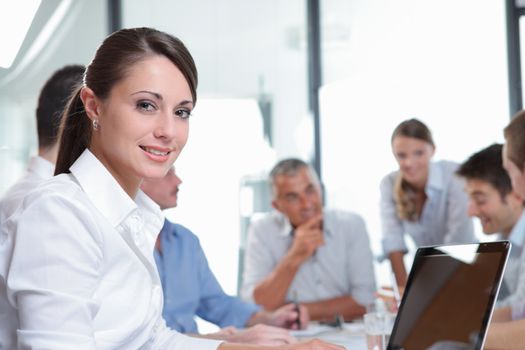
(351,335)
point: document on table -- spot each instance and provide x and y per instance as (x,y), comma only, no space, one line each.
(316,329)
(351,336)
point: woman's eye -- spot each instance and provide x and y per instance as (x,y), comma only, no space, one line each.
(182,113)
(145,106)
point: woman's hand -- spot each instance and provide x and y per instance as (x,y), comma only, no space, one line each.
(262,335)
(314,344)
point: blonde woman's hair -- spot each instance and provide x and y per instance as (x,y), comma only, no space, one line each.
(405,199)
(404,194)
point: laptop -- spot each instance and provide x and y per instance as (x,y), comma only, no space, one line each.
(449,297)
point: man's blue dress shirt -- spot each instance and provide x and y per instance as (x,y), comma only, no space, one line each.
(189,286)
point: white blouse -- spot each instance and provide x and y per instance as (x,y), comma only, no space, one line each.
(77,260)
(444,218)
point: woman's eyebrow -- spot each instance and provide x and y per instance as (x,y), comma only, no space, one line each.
(185,102)
(157,95)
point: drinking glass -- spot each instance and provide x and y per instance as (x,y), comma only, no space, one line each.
(378,326)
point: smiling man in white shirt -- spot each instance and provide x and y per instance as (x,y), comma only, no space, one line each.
(508,323)
(500,211)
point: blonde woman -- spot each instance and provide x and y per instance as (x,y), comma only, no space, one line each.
(423,199)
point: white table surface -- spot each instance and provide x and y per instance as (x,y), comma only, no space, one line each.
(352,336)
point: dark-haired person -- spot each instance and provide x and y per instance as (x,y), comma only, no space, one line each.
(51,103)
(191,289)
(303,252)
(423,199)
(500,211)
(507,329)
(77,255)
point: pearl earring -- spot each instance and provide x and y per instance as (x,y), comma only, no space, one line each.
(95,124)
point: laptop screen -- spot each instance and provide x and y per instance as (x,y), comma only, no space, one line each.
(449,297)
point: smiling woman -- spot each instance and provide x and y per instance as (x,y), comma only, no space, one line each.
(150,126)
(140,96)
(72,283)
(77,256)
(423,199)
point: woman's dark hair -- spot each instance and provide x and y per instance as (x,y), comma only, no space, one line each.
(112,61)
(404,194)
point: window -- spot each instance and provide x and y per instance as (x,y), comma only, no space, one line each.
(384,62)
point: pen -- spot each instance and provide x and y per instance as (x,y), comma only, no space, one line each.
(338,322)
(297,309)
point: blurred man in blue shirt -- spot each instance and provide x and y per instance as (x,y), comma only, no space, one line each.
(191,289)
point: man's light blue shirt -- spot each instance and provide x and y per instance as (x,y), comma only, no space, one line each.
(342,266)
(190,287)
(514,277)
(517,236)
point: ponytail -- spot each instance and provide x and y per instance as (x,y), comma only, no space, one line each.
(405,199)
(75,133)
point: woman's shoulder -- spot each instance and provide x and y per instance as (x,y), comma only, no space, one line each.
(58,200)
(61,186)
(57,205)
(448,165)
(446,169)
(391,174)
(387,182)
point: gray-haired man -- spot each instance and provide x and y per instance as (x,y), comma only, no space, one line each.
(301,252)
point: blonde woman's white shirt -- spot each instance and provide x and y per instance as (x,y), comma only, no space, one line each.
(444,218)
(77,259)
